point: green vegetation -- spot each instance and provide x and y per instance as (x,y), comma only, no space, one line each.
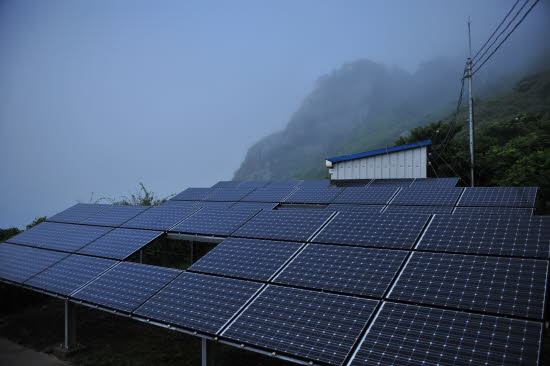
(143,197)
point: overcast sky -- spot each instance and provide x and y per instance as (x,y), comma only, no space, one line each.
(96,96)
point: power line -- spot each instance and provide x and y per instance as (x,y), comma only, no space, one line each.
(495,31)
(507,36)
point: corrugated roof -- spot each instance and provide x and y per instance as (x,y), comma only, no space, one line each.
(386,150)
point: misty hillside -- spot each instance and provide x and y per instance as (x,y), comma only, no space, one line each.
(361,106)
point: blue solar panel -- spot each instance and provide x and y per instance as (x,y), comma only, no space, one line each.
(126,286)
(352,270)
(246,258)
(515,211)
(283,183)
(212,221)
(254,205)
(120,243)
(350,182)
(40,233)
(229,194)
(227,184)
(19,263)
(75,238)
(294,225)
(398,231)
(268,195)
(193,194)
(78,213)
(252,184)
(115,215)
(313,195)
(373,209)
(398,182)
(312,325)
(416,335)
(315,183)
(70,274)
(428,196)
(506,286)
(366,195)
(160,217)
(419,209)
(521,236)
(499,196)
(199,302)
(435,182)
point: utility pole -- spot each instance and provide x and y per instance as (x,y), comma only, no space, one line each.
(470,105)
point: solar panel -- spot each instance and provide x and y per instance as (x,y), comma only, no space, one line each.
(246,258)
(160,217)
(352,270)
(194,194)
(312,325)
(227,184)
(506,286)
(499,196)
(252,184)
(521,236)
(419,209)
(397,182)
(350,182)
(361,208)
(78,213)
(115,215)
(315,183)
(120,243)
(294,225)
(199,302)
(70,274)
(187,204)
(283,184)
(215,204)
(516,211)
(428,196)
(268,195)
(366,195)
(435,182)
(212,221)
(126,286)
(254,205)
(40,233)
(397,231)
(229,194)
(19,263)
(417,335)
(313,195)
(73,239)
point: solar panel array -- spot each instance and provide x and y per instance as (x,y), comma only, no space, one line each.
(499,196)
(517,211)
(269,194)
(78,213)
(193,194)
(342,285)
(366,195)
(313,195)
(115,215)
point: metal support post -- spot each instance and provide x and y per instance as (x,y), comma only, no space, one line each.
(70,325)
(208,351)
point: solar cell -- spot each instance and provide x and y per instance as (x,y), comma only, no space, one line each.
(419,209)
(160,217)
(366,195)
(229,194)
(254,205)
(397,182)
(506,286)
(397,231)
(40,233)
(521,236)
(428,196)
(78,213)
(313,195)
(120,243)
(126,286)
(213,221)
(417,335)
(373,209)
(252,184)
(435,182)
(350,182)
(269,195)
(227,184)
(293,225)
(312,325)
(199,302)
(70,274)
(499,196)
(353,270)
(19,263)
(115,215)
(516,211)
(194,194)
(76,237)
(246,258)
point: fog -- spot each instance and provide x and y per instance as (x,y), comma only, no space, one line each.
(97,96)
